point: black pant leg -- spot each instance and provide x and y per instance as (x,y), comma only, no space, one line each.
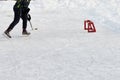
(24,18)
(16,19)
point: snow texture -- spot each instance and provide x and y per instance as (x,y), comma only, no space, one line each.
(61,49)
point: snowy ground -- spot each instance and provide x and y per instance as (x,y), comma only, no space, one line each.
(60,49)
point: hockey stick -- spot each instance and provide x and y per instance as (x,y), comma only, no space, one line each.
(32,26)
(29,18)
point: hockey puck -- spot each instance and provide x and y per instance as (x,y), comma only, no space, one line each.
(36,28)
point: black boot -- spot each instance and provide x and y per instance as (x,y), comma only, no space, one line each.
(25,32)
(7,33)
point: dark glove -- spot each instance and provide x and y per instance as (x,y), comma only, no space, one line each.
(28,17)
(25,10)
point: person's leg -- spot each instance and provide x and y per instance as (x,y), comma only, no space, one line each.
(15,21)
(24,18)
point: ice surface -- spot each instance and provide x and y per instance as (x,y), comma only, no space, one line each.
(61,49)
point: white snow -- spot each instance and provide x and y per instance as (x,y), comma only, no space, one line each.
(61,49)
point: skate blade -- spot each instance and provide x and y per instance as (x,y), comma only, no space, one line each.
(6,36)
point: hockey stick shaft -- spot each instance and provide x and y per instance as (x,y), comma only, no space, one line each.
(31,25)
